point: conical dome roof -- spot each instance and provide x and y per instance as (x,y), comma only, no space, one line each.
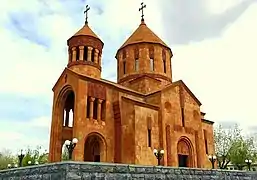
(143,34)
(86,31)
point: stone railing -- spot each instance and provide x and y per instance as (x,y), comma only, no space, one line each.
(87,171)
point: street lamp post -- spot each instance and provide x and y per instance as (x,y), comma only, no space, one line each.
(9,166)
(21,156)
(212,158)
(158,154)
(248,162)
(70,145)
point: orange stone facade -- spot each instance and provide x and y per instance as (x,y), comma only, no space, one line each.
(124,122)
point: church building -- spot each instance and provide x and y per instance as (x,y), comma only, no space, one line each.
(124,122)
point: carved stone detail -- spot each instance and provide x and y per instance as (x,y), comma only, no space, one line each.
(85,63)
(167,106)
(100,93)
(183,148)
(86,41)
(134,76)
(188,130)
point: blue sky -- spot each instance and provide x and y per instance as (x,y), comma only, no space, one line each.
(214,44)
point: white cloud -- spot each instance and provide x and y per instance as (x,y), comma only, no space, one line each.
(220,6)
(19,135)
(219,71)
(43,122)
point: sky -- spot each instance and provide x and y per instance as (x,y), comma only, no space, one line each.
(213,41)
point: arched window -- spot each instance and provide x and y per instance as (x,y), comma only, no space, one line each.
(152,64)
(68,110)
(85,53)
(205,141)
(149,131)
(151,56)
(88,106)
(95,109)
(164,60)
(71,116)
(124,67)
(124,53)
(136,55)
(93,55)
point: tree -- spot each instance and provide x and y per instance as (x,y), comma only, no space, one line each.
(6,158)
(243,149)
(224,140)
(35,156)
(231,146)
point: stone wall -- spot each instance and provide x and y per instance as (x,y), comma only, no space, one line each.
(99,171)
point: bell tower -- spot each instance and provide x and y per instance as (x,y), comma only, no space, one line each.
(144,60)
(85,51)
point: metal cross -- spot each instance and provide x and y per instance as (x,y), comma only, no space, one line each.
(85,12)
(142,9)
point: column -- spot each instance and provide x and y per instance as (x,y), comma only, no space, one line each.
(81,53)
(70,55)
(100,59)
(96,55)
(91,111)
(99,110)
(73,53)
(89,52)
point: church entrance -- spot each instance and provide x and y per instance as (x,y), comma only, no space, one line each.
(182,160)
(94,150)
(184,151)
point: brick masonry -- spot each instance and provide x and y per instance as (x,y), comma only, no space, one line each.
(129,119)
(80,170)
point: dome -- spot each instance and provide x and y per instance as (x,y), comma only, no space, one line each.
(86,31)
(143,34)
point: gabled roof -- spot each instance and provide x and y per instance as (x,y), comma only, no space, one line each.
(207,121)
(179,83)
(143,34)
(189,92)
(84,77)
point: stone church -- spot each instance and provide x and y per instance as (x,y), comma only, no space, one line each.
(124,122)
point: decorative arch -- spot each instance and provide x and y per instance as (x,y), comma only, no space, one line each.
(95,148)
(136,52)
(61,128)
(164,60)
(124,54)
(163,54)
(196,115)
(185,152)
(66,94)
(151,51)
(63,94)
(167,106)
